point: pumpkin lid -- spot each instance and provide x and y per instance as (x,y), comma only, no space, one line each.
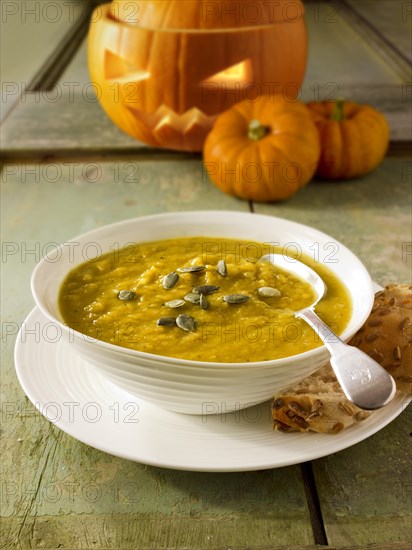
(205,14)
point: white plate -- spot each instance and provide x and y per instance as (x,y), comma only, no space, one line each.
(72,395)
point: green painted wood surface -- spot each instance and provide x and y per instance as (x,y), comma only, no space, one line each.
(366,491)
(78,70)
(339,54)
(57,490)
(30,31)
(69,120)
(392,18)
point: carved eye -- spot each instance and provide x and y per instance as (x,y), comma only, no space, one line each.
(118,69)
(241,72)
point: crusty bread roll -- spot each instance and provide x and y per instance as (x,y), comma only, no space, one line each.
(318,403)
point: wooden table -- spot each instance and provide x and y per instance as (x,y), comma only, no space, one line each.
(66,169)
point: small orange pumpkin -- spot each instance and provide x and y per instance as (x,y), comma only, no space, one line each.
(354,138)
(264,150)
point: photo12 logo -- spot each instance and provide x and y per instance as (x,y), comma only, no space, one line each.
(51,252)
(43,11)
(269,12)
(73,412)
(66,492)
(224,412)
(71,252)
(251,251)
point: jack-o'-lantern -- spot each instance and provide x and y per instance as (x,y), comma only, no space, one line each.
(164,69)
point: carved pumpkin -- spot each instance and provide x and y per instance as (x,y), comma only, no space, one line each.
(264,150)
(164,69)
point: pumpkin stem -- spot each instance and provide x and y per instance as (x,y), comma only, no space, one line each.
(338,112)
(256,130)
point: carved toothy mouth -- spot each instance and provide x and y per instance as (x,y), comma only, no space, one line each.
(180,130)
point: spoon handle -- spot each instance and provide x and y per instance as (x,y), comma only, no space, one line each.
(364,382)
(329,338)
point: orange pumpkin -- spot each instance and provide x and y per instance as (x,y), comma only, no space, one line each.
(354,138)
(164,69)
(264,150)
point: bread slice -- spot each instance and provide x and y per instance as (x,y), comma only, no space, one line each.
(387,334)
(318,403)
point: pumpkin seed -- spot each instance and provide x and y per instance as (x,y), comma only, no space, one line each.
(166,322)
(126,295)
(236,298)
(278,403)
(186,322)
(397,353)
(175,303)
(222,268)
(268,292)
(170,280)
(192,298)
(204,304)
(192,269)
(205,289)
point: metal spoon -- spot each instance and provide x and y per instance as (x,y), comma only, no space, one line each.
(362,379)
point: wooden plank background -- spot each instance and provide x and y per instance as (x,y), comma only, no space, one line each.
(68,170)
(67,120)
